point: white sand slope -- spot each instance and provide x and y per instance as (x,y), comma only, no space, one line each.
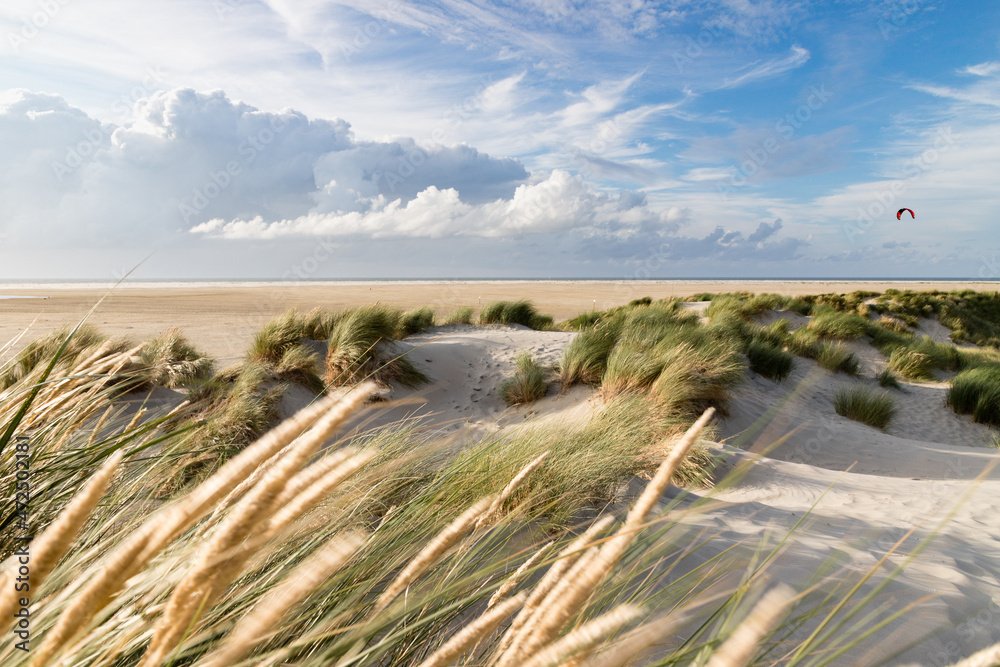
(930,469)
(466,365)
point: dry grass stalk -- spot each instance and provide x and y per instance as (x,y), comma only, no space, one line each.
(49,547)
(315,492)
(196,504)
(472,633)
(255,627)
(100,425)
(558,606)
(101,350)
(159,530)
(741,646)
(587,636)
(432,552)
(552,577)
(513,580)
(636,642)
(181,406)
(222,559)
(656,486)
(305,479)
(241,489)
(494,509)
(568,599)
(136,418)
(107,581)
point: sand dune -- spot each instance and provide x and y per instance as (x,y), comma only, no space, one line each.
(921,474)
(863,489)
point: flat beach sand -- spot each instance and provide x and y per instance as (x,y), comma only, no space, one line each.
(221,318)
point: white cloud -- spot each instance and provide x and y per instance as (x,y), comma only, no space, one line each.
(559,203)
(983,69)
(185,157)
(797,57)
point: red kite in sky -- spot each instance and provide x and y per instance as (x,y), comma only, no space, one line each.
(900,212)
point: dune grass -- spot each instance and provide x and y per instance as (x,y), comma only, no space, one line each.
(360,347)
(279,352)
(862,404)
(514,312)
(886,378)
(461,315)
(911,364)
(276,337)
(894,324)
(830,323)
(803,342)
(976,392)
(769,360)
(416,321)
(528,383)
(585,359)
(171,361)
(835,357)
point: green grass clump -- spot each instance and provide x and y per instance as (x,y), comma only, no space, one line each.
(911,364)
(976,392)
(804,342)
(893,324)
(583,321)
(171,361)
(527,385)
(318,323)
(515,312)
(864,405)
(942,355)
(769,361)
(585,359)
(886,340)
(836,357)
(694,376)
(361,347)
(800,306)
(461,315)
(886,378)
(275,337)
(917,358)
(416,321)
(300,366)
(829,323)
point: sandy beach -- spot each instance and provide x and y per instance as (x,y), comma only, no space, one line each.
(220,318)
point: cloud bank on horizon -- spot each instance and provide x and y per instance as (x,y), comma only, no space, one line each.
(349,138)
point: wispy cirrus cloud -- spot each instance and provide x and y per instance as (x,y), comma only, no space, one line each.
(797,57)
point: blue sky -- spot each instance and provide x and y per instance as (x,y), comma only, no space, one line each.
(546,138)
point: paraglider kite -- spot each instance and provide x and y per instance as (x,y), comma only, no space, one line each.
(900,212)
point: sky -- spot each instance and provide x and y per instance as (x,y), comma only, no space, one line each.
(626,139)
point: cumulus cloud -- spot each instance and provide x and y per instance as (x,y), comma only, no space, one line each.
(191,168)
(187,157)
(559,203)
